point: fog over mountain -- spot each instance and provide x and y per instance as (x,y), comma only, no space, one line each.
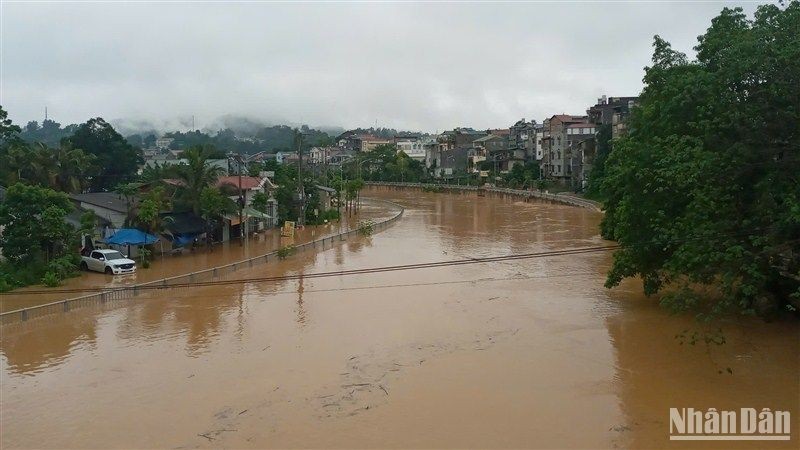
(241,125)
(416,66)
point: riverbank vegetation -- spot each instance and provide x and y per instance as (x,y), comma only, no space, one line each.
(704,189)
(40,252)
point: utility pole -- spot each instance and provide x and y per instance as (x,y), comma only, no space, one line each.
(301,221)
(242,198)
(242,194)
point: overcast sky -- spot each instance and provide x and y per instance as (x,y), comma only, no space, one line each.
(417,66)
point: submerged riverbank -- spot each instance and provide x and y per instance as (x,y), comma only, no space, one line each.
(531,353)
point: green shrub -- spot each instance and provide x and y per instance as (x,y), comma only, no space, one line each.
(5,284)
(145,256)
(51,279)
(65,266)
(366,227)
(283,252)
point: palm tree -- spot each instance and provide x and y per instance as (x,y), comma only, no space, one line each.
(70,168)
(18,160)
(41,167)
(154,173)
(64,168)
(127,190)
(196,175)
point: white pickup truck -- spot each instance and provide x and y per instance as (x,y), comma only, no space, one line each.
(107,261)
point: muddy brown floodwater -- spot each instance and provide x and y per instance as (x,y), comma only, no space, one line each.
(527,353)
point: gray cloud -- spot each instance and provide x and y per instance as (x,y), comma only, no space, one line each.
(412,66)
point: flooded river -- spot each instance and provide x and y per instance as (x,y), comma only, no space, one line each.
(525,353)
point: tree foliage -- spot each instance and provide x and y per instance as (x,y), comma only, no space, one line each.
(213,205)
(704,188)
(385,163)
(602,150)
(150,208)
(62,168)
(116,160)
(33,221)
(49,132)
(523,175)
(196,175)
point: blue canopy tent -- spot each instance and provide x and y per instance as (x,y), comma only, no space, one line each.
(131,236)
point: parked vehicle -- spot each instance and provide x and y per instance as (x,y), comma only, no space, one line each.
(107,261)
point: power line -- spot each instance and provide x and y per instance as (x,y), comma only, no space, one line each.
(379,269)
(337,273)
(430,283)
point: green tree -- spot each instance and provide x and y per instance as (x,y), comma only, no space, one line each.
(213,206)
(8,131)
(34,225)
(116,160)
(70,168)
(128,191)
(88,223)
(602,150)
(704,188)
(522,175)
(150,208)
(260,201)
(196,175)
(156,172)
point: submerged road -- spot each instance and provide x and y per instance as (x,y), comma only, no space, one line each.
(526,353)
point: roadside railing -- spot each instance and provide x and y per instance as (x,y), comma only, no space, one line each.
(567,199)
(185,280)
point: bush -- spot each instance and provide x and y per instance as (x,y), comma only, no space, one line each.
(283,252)
(5,283)
(434,188)
(366,227)
(65,266)
(51,279)
(144,255)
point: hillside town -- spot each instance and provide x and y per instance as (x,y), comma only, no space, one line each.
(562,147)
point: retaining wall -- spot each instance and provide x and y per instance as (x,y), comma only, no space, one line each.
(567,199)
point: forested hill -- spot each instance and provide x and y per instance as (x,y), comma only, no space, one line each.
(270,139)
(266,138)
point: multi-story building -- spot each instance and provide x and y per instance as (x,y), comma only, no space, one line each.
(603,112)
(582,156)
(350,140)
(559,133)
(450,155)
(491,148)
(538,145)
(163,143)
(609,111)
(522,142)
(369,143)
(413,146)
(321,155)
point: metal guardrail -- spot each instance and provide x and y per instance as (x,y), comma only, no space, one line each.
(185,280)
(558,198)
